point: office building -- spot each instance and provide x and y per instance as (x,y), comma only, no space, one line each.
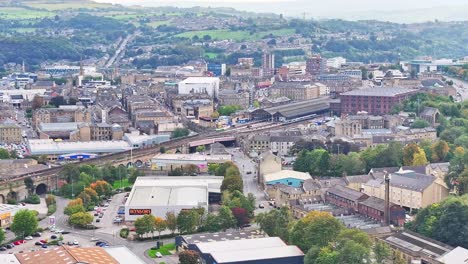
(200,85)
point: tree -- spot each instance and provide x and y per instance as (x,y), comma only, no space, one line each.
(89,197)
(187,221)
(226,218)
(200,149)
(102,188)
(420,123)
(24,223)
(57,101)
(171,222)
(29,183)
(325,256)
(227,110)
(232,183)
(352,252)
(241,216)
(70,172)
(144,224)
(81,219)
(408,153)
(419,158)
(180,132)
(439,150)
(4,154)
(212,223)
(2,236)
(382,251)
(398,258)
(355,235)
(189,257)
(162,149)
(275,222)
(74,206)
(315,229)
(159,225)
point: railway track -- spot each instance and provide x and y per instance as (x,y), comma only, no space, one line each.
(142,152)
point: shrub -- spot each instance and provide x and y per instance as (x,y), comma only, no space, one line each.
(39,229)
(124,233)
(128,188)
(12,201)
(51,209)
(33,199)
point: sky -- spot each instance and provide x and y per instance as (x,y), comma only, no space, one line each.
(405,10)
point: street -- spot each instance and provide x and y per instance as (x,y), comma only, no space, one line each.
(462,88)
(248,169)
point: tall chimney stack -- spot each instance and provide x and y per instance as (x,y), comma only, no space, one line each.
(387,198)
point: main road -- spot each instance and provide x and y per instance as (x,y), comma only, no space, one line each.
(461,86)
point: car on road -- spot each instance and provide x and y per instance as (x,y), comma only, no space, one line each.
(28,238)
(65,232)
(249,172)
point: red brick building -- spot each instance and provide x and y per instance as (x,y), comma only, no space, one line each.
(375,101)
(345,197)
(374,208)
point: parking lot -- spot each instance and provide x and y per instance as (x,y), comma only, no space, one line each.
(109,213)
(29,245)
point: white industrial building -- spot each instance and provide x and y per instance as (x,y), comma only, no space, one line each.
(159,195)
(51,147)
(200,85)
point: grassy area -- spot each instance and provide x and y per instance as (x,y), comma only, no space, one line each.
(68,5)
(124,184)
(211,55)
(22,13)
(222,34)
(164,250)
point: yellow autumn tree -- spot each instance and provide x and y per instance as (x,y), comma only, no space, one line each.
(419,158)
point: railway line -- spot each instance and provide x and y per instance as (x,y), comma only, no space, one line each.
(135,154)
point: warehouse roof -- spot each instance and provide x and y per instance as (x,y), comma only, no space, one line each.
(162,191)
(248,249)
(387,91)
(68,126)
(51,147)
(123,255)
(285,174)
(222,236)
(457,256)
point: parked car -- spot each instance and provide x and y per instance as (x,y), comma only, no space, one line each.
(59,231)
(99,243)
(75,242)
(37,234)
(106,205)
(117,220)
(65,232)
(28,238)
(19,242)
(3,248)
(38,243)
(43,241)
(98,220)
(70,243)
(9,246)
(53,237)
(96,214)
(261,206)
(44,246)
(101,215)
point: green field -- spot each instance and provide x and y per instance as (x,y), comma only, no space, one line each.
(164,250)
(118,185)
(222,34)
(22,13)
(69,5)
(211,55)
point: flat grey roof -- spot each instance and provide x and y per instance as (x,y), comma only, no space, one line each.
(124,255)
(387,91)
(249,249)
(222,236)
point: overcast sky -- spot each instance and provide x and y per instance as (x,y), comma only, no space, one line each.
(326,8)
